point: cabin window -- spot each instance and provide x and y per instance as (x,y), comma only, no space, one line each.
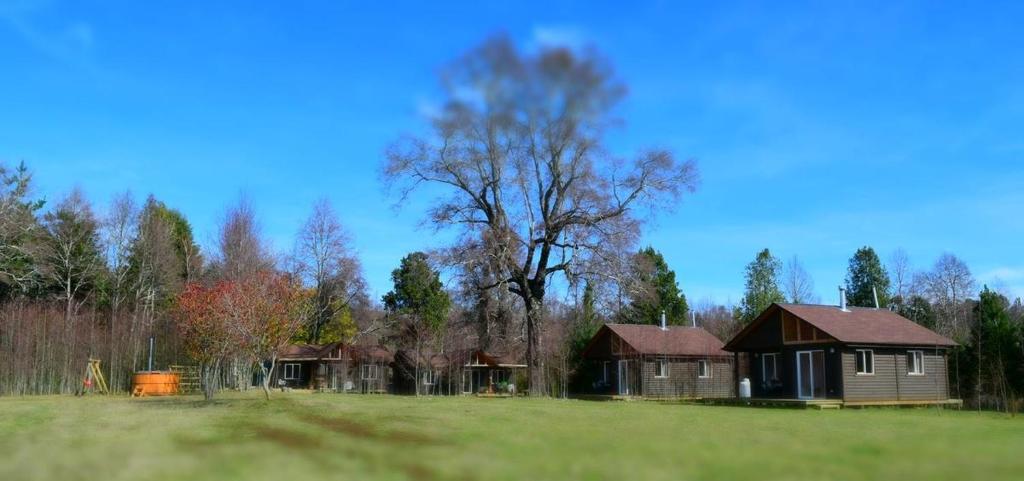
(605,367)
(915,363)
(770,367)
(865,361)
(429,376)
(661,368)
(292,371)
(369,371)
(703,369)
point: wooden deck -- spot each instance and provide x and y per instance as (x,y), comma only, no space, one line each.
(828,403)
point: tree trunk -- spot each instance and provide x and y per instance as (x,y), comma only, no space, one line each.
(208,378)
(266,375)
(534,356)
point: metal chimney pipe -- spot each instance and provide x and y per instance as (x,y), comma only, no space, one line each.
(150,353)
(842,299)
(693,318)
(874,291)
(663,325)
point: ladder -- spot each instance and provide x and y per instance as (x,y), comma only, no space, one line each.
(94,378)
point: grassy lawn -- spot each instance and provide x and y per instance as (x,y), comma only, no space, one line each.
(329,436)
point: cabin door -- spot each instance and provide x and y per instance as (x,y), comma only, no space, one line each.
(810,374)
(624,380)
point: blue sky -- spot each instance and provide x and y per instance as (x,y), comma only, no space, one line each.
(818,127)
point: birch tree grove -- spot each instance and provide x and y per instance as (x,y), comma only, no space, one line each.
(519,149)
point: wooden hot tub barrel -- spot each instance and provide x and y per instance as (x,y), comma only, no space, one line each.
(156,383)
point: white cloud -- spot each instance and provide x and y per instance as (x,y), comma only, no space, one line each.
(558,36)
(71,43)
(1004,273)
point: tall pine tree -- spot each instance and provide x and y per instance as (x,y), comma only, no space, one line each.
(866,272)
(659,292)
(762,287)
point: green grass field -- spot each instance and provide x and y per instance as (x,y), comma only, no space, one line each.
(329,436)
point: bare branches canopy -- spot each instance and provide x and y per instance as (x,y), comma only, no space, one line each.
(518,149)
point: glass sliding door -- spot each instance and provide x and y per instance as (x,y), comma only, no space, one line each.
(810,374)
(624,378)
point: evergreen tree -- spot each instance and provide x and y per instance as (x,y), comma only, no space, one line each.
(418,295)
(585,325)
(919,310)
(866,272)
(659,292)
(420,306)
(164,255)
(72,257)
(19,232)
(995,351)
(762,287)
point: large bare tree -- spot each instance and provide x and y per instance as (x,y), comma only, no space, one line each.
(326,261)
(518,156)
(797,283)
(949,284)
(902,275)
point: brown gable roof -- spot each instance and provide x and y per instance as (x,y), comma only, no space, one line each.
(355,353)
(370,353)
(859,325)
(302,352)
(673,341)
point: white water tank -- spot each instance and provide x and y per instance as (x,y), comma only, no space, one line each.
(745,388)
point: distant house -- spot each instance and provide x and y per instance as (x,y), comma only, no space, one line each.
(336,366)
(297,363)
(659,362)
(483,372)
(854,355)
(463,371)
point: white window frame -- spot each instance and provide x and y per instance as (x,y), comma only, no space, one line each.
(915,364)
(865,352)
(291,371)
(605,370)
(706,368)
(661,369)
(764,366)
(369,372)
(429,377)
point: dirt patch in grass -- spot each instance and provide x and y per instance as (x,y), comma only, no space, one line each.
(361,430)
(287,438)
(419,472)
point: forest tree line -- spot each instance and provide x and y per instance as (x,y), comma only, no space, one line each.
(77,283)
(547,225)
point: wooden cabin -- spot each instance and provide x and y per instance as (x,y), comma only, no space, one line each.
(659,362)
(336,367)
(464,371)
(853,355)
(297,363)
(491,373)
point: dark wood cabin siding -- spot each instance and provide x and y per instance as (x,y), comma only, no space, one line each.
(890,381)
(682,380)
(768,335)
(602,347)
(305,375)
(786,388)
